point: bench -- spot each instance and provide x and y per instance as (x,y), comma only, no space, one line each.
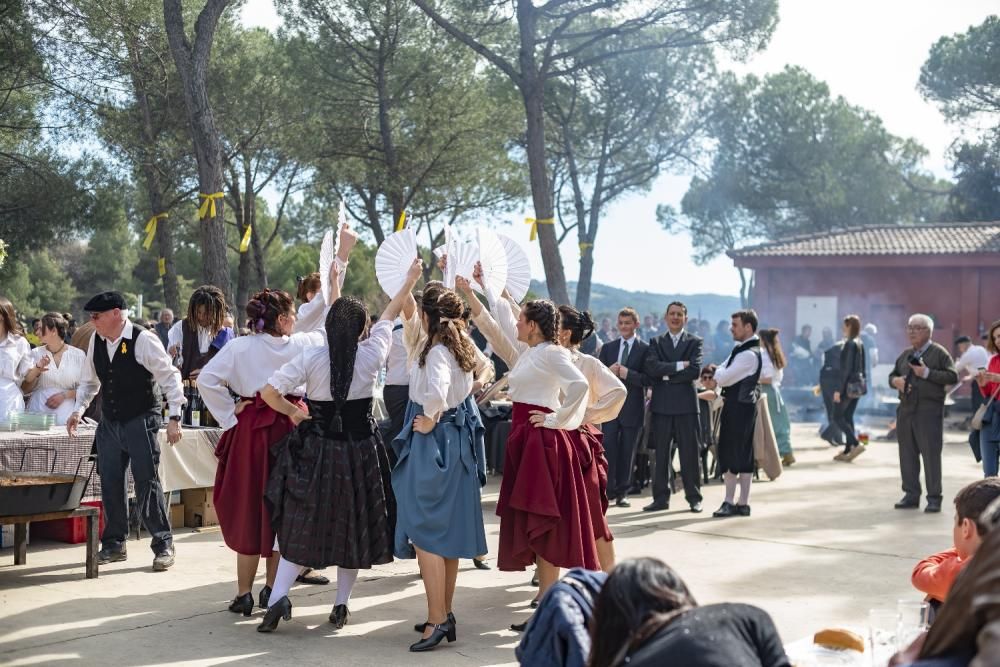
(21,522)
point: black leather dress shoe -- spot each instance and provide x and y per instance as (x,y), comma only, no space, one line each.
(725,510)
(696,508)
(907,504)
(933,506)
(339,616)
(264,597)
(481,564)
(623,502)
(519,627)
(743,510)
(242,604)
(442,631)
(282,609)
(105,556)
(656,507)
(419,627)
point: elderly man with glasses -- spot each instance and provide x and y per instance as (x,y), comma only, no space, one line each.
(921,376)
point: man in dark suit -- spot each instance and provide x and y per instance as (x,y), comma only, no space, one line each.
(672,365)
(625,357)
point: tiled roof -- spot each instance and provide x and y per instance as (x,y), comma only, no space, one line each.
(922,239)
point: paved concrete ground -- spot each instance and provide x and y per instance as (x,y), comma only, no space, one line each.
(822,547)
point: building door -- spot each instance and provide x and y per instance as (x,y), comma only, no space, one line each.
(819,312)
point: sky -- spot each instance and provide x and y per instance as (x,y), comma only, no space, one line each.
(868,51)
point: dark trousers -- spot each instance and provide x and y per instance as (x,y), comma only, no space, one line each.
(396,396)
(921,436)
(619,448)
(843,415)
(679,433)
(120,444)
(832,432)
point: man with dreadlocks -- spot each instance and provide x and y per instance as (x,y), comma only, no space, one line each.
(330,493)
(199,336)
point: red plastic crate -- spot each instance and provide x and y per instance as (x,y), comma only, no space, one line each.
(72,531)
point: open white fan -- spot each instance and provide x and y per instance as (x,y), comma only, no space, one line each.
(493,257)
(393,260)
(518,268)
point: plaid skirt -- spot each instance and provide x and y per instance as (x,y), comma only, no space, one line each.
(330,493)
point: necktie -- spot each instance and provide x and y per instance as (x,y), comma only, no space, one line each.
(624,353)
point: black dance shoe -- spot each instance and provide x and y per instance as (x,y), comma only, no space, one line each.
(442,631)
(481,564)
(725,510)
(419,627)
(656,507)
(282,609)
(933,506)
(519,627)
(339,616)
(906,503)
(242,604)
(264,597)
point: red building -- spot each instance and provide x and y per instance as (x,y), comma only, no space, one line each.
(882,273)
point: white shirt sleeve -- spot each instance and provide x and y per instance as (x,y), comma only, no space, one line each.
(557,364)
(506,317)
(607,394)
(89,382)
(214,390)
(744,365)
(290,376)
(438,371)
(25,362)
(374,350)
(495,337)
(175,335)
(150,354)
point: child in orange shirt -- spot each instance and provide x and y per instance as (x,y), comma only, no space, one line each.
(935,574)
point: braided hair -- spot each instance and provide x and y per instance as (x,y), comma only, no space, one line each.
(213,301)
(579,323)
(443,308)
(545,315)
(264,309)
(346,323)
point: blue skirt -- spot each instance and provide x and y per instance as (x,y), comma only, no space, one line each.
(437,481)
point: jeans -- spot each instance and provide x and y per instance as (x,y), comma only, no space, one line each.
(990,450)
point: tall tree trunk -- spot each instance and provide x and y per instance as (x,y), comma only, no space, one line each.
(154,186)
(588,233)
(744,290)
(583,284)
(394,192)
(243,269)
(250,218)
(192,67)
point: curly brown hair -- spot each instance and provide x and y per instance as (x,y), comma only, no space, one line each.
(440,302)
(264,309)
(306,284)
(544,314)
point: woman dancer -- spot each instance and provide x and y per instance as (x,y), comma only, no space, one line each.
(56,373)
(243,367)
(544,510)
(771,373)
(441,464)
(330,492)
(15,360)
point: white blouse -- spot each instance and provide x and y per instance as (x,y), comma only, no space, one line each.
(312,367)
(415,338)
(440,384)
(244,365)
(542,375)
(15,362)
(768,371)
(607,393)
(67,375)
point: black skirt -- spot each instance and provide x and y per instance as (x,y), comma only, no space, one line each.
(330,492)
(736,429)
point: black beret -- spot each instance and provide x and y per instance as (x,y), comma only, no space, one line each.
(105,301)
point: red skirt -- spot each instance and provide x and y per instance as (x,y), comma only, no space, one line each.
(241,478)
(543,506)
(590,446)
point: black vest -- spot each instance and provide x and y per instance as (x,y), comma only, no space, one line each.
(126,386)
(746,390)
(191,357)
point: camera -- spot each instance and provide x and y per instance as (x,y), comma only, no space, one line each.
(914,359)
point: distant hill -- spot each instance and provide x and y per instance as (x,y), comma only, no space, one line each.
(605,301)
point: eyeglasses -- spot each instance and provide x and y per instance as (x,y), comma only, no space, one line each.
(915,327)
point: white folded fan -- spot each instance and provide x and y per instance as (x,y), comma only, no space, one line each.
(518,268)
(393,260)
(328,250)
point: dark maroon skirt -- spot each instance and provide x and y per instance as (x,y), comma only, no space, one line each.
(590,446)
(544,505)
(241,478)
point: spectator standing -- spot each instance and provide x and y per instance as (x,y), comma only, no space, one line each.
(162,327)
(988,381)
(649,330)
(198,337)
(829,384)
(606,334)
(772,372)
(921,375)
(971,359)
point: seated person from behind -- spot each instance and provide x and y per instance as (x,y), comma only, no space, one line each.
(645,615)
(935,574)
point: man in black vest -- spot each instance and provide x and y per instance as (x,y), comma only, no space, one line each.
(124,361)
(739,378)
(199,336)
(625,356)
(673,364)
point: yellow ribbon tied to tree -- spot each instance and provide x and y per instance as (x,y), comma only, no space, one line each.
(151,229)
(208,205)
(401,225)
(583,248)
(161,264)
(534,225)
(245,243)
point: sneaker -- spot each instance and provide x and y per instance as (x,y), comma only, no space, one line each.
(787,459)
(842,456)
(107,555)
(163,560)
(855,453)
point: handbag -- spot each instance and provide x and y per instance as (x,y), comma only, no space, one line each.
(858,388)
(977,419)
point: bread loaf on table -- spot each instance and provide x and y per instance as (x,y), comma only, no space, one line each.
(840,639)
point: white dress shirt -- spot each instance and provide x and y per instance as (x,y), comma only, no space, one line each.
(675,339)
(312,367)
(175,336)
(743,366)
(149,353)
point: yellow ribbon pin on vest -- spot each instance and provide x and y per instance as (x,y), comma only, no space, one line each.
(124,348)
(208,206)
(534,225)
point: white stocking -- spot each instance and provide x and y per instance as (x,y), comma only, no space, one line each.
(345,584)
(283,580)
